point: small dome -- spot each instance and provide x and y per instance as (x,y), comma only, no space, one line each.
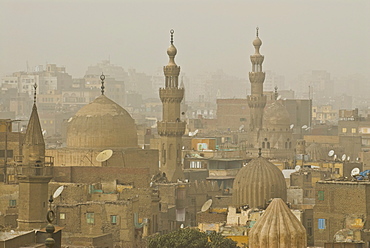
(278,227)
(276,116)
(102,124)
(258,182)
(257,42)
(172,51)
(315,151)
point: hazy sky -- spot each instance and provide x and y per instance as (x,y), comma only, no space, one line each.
(209,34)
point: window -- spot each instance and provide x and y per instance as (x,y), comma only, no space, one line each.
(9,153)
(309,227)
(62,216)
(344,130)
(195,164)
(321,224)
(113,219)
(353,130)
(320,195)
(12,203)
(90,218)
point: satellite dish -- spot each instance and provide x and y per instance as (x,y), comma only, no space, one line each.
(355,172)
(70,119)
(297,168)
(241,127)
(104,155)
(335,156)
(304,126)
(331,153)
(58,191)
(206,205)
(348,158)
(278,98)
(291,126)
(344,157)
(182,226)
(308,128)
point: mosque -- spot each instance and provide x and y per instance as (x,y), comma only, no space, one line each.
(269,125)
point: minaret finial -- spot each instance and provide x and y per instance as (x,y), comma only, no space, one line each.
(171,32)
(259,152)
(102,77)
(276,92)
(34,94)
(257,31)
(49,242)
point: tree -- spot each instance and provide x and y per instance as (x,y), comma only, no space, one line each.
(190,238)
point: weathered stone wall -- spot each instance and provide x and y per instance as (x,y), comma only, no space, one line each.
(336,202)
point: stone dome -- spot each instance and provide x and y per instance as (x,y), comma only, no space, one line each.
(278,227)
(258,182)
(276,117)
(102,124)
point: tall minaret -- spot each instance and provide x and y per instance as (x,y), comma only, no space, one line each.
(34,177)
(256,100)
(171,128)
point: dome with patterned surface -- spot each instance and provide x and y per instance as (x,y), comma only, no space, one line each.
(276,116)
(278,227)
(258,182)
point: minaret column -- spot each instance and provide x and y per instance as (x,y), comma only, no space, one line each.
(256,100)
(171,128)
(33,177)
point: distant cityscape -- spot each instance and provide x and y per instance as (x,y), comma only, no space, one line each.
(126,156)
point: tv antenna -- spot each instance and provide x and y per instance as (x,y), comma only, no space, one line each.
(355,172)
(206,205)
(331,153)
(104,155)
(58,191)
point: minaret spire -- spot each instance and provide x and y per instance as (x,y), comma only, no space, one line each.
(257,31)
(171,128)
(34,94)
(276,92)
(35,175)
(102,78)
(171,32)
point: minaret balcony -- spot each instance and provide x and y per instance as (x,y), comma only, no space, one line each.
(165,128)
(171,70)
(256,77)
(171,94)
(256,101)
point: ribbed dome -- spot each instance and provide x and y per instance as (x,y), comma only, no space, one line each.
(278,227)
(315,151)
(258,182)
(102,124)
(276,116)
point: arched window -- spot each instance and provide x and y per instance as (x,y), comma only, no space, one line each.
(268,145)
(263,144)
